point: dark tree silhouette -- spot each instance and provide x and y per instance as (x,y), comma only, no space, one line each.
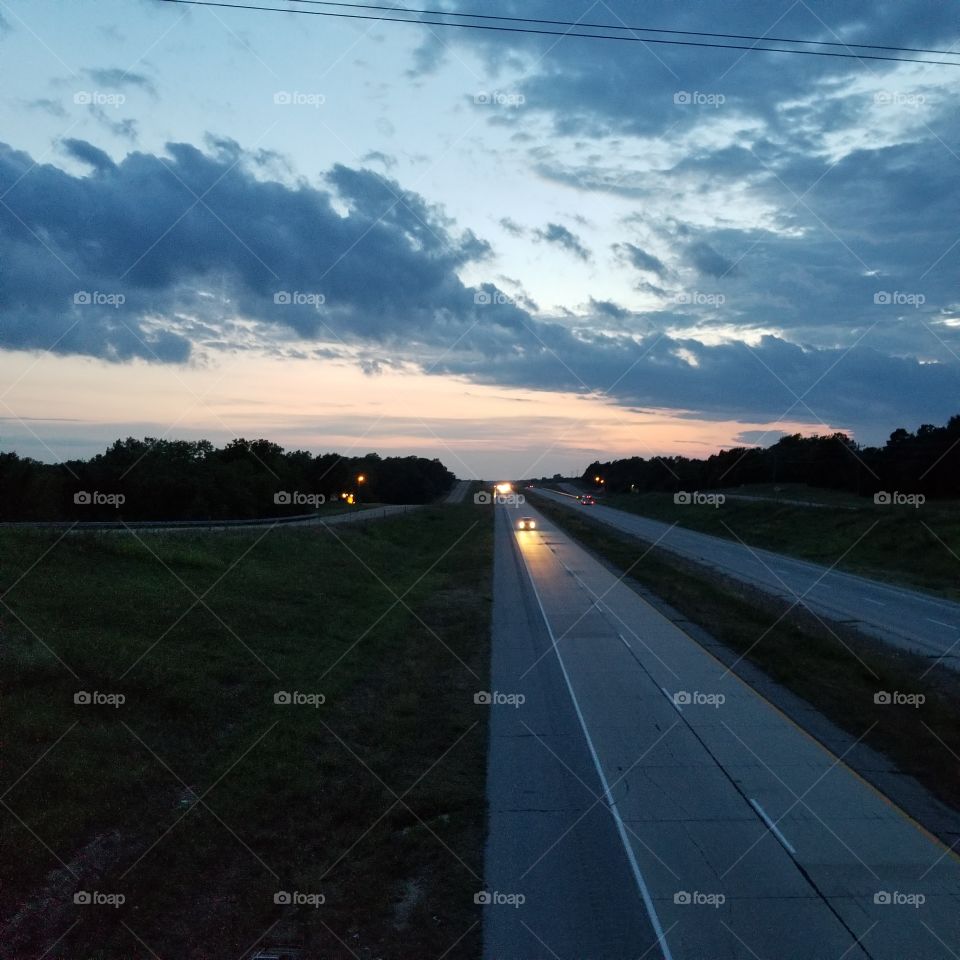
(160,479)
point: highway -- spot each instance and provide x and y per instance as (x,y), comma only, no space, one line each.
(197,526)
(645,802)
(458,491)
(906,618)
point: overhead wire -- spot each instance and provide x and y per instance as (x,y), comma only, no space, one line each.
(570,33)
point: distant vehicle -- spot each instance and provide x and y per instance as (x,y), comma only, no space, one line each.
(587,500)
(526,523)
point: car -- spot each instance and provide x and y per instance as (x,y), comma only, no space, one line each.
(587,500)
(526,523)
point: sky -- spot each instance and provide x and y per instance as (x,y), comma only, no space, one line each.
(516,253)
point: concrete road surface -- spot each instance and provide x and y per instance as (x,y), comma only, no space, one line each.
(907,618)
(644,802)
(196,526)
(458,491)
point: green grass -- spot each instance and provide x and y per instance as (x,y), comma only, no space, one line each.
(300,798)
(915,547)
(832,668)
(796,491)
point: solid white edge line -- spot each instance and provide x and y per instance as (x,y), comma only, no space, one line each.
(621,829)
(676,706)
(774,829)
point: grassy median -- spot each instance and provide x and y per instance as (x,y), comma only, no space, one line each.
(830,666)
(184,787)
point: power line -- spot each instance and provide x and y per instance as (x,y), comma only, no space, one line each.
(556,33)
(632,29)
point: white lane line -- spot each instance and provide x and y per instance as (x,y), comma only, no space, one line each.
(676,706)
(879,603)
(627,645)
(611,803)
(940,623)
(774,829)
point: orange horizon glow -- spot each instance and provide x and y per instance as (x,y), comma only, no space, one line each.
(325,405)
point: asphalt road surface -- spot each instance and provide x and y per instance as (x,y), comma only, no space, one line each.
(915,621)
(644,802)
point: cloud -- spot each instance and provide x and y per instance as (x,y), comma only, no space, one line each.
(607,308)
(378,156)
(162,256)
(640,259)
(560,236)
(116,264)
(87,153)
(708,261)
(125,128)
(113,78)
(512,227)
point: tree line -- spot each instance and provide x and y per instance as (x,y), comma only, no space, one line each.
(159,479)
(926,461)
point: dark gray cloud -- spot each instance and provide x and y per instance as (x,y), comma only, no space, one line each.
(560,236)
(512,227)
(676,82)
(113,78)
(156,256)
(87,153)
(708,261)
(90,262)
(609,309)
(640,259)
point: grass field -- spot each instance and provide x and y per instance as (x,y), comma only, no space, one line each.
(199,799)
(916,547)
(828,666)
